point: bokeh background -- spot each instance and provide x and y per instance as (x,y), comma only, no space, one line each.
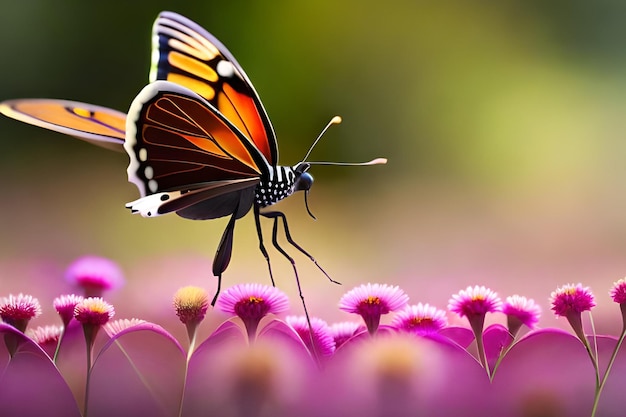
(503,123)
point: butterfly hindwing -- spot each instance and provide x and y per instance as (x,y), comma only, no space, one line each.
(180,146)
(98,125)
(186,54)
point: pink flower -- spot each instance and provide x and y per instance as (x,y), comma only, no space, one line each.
(94,275)
(191,304)
(618,291)
(93,311)
(19,310)
(521,311)
(570,301)
(370,301)
(319,340)
(571,298)
(114,327)
(618,294)
(420,319)
(64,305)
(474,301)
(46,335)
(344,331)
(251,302)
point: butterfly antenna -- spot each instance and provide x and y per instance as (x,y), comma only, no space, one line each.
(377,161)
(334,121)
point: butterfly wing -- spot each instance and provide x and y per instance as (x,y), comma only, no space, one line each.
(188,55)
(185,156)
(95,124)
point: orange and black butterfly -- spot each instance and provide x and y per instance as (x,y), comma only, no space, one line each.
(199,140)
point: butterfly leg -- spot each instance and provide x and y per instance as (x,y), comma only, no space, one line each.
(257,221)
(222,256)
(276,215)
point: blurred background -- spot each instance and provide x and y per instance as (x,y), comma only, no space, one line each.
(503,124)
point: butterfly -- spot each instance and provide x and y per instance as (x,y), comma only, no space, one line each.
(198,138)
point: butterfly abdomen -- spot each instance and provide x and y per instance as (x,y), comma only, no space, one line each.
(275,186)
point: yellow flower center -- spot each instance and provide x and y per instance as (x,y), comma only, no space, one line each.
(372,300)
(255,300)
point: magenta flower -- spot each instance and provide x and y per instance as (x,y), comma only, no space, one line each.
(618,294)
(252,302)
(521,311)
(47,337)
(19,310)
(112,328)
(93,311)
(420,319)
(94,275)
(474,303)
(45,334)
(344,331)
(228,377)
(319,341)
(370,301)
(618,291)
(570,301)
(65,305)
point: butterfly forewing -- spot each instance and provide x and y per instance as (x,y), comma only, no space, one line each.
(95,124)
(177,141)
(186,54)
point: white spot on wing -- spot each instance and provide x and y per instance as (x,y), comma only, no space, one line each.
(152,185)
(149,173)
(225,69)
(143,154)
(149,206)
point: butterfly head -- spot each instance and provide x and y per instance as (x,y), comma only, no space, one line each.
(303,180)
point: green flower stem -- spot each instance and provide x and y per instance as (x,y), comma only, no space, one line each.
(58,348)
(600,387)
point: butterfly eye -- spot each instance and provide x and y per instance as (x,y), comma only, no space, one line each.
(303,182)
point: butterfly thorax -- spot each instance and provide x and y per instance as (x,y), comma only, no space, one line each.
(281,182)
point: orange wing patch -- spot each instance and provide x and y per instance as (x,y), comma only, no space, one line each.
(241,110)
(192,66)
(193,84)
(75,118)
(207,145)
(200,127)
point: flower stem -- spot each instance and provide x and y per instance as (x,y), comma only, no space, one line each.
(251,328)
(192,332)
(600,387)
(477,323)
(90,331)
(58,348)
(575,321)
(89,358)
(503,353)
